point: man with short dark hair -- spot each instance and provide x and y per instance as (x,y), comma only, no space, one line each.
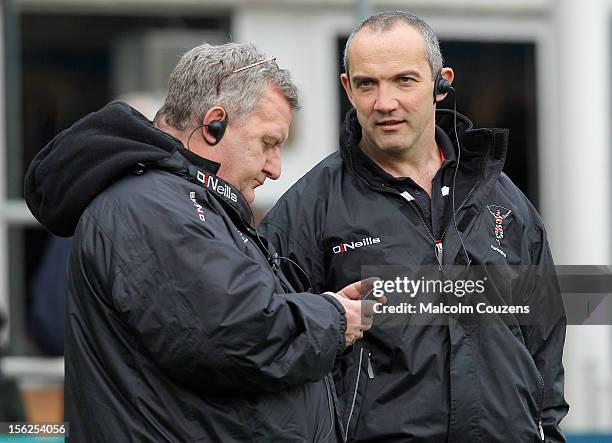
(386,198)
(179,326)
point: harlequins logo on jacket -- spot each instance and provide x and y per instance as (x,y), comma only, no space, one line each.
(500,214)
(212,182)
(343,247)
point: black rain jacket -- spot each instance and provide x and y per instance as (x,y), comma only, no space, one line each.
(177,327)
(452,382)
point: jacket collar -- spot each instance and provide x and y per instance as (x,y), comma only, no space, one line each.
(483,151)
(203,171)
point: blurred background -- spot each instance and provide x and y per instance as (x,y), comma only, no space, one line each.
(538,67)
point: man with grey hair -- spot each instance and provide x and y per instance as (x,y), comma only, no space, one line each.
(179,325)
(417,187)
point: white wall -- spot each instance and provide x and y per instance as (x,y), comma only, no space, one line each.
(583,214)
(4,291)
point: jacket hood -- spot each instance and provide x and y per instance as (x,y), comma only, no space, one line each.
(86,158)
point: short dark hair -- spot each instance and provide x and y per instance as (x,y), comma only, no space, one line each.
(386,20)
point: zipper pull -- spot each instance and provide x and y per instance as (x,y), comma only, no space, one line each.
(370,368)
(541,429)
(439,252)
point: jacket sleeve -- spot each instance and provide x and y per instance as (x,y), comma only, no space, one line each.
(207,312)
(544,333)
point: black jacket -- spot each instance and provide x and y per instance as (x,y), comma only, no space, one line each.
(453,381)
(177,327)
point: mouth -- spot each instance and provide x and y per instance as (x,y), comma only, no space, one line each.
(258,183)
(390,124)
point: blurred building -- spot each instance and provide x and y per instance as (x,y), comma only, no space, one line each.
(538,67)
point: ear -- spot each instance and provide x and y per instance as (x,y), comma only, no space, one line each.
(214,113)
(346,84)
(449,75)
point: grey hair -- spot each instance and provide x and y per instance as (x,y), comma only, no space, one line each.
(383,21)
(193,83)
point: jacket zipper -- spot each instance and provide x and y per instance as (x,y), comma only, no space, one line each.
(439,244)
(540,426)
(370,368)
(438,248)
(348,422)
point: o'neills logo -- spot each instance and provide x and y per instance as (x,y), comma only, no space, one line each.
(344,246)
(199,211)
(212,182)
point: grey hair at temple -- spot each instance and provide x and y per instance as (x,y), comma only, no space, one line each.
(209,76)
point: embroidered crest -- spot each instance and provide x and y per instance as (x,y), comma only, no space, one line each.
(500,214)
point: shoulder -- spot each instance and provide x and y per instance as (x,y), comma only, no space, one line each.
(521,205)
(319,178)
(312,189)
(307,201)
(156,203)
(150,191)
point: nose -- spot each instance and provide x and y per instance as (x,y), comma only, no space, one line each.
(385,100)
(272,168)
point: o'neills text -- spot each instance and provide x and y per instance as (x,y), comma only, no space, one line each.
(199,211)
(212,182)
(343,247)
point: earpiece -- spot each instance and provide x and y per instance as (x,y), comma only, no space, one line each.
(217,130)
(441,86)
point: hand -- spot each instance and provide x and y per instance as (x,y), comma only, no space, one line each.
(359,313)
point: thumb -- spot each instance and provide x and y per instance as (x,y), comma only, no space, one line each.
(359,290)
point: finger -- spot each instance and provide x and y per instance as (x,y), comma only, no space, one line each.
(366,326)
(367,321)
(352,291)
(367,308)
(359,290)
(368,284)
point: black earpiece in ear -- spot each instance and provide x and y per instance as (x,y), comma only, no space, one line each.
(217,130)
(441,86)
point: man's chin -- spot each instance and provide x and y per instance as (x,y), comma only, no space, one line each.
(392,148)
(396,141)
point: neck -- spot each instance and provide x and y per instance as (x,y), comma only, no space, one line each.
(411,164)
(420,161)
(194,144)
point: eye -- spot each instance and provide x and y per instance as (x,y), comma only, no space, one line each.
(364,83)
(405,80)
(268,145)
